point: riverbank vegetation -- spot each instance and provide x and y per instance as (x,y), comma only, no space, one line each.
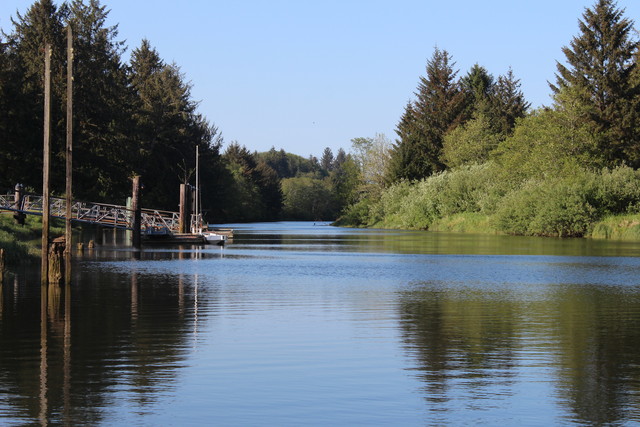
(470,153)
(470,156)
(22,242)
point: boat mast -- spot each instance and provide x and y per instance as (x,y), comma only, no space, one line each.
(198,218)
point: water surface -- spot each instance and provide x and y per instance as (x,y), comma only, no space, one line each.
(306,324)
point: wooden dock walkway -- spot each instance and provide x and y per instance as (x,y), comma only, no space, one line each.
(154,222)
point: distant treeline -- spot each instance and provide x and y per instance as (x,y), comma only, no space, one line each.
(471,156)
(135,118)
(469,153)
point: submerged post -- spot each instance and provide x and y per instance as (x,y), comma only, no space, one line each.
(46,158)
(136,238)
(56,266)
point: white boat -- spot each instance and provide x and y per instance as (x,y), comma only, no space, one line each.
(197,228)
(213,238)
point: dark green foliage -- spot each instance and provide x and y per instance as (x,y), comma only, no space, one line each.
(492,111)
(103,103)
(256,192)
(268,183)
(287,165)
(507,104)
(127,121)
(308,198)
(326,162)
(23,93)
(168,130)
(599,77)
(478,85)
(438,108)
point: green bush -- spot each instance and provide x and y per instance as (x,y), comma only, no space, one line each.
(356,215)
(570,203)
(569,206)
(468,189)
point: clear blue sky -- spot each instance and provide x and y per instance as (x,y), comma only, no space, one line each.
(304,75)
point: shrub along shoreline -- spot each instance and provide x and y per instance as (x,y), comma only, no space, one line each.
(482,199)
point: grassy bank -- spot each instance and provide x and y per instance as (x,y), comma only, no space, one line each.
(618,227)
(22,243)
(614,227)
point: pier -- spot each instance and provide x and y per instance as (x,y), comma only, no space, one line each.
(153,222)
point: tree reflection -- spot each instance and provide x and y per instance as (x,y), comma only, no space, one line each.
(466,343)
(599,335)
(459,336)
(130,332)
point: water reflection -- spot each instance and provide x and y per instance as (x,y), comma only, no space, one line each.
(474,344)
(299,324)
(53,373)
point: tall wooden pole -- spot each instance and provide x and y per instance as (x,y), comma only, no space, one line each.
(69,158)
(46,158)
(137,213)
(184,209)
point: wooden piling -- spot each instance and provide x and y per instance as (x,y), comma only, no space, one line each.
(19,204)
(185,211)
(46,159)
(68,234)
(56,263)
(136,238)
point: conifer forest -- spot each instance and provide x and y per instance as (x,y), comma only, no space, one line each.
(469,154)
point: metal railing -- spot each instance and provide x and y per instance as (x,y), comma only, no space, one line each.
(152,221)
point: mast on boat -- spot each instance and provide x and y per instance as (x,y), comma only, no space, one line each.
(198,223)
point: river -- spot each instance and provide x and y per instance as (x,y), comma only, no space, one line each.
(306,324)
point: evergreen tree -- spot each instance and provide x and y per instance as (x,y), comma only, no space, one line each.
(478,85)
(6,179)
(278,161)
(268,183)
(23,93)
(165,124)
(103,103)
(493,108)
(598,76)
(507,103)
(341,157)
(257,192)
(438,108)
(326,161)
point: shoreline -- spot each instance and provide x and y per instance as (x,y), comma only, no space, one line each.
(624,227)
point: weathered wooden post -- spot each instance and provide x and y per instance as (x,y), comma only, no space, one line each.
(68,234)
(56,265)
(185,211)
(19,204)
(46,158)
(137,213)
